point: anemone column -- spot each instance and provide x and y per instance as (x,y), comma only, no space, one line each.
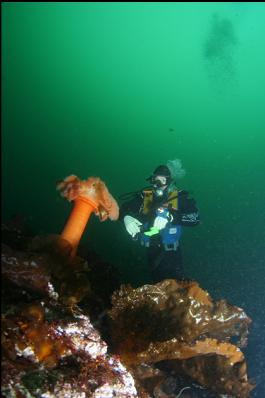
(89,196)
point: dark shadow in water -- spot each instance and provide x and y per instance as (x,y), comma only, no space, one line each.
(218,50)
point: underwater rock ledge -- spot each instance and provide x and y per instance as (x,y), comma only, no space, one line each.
(156,337)
(50,347)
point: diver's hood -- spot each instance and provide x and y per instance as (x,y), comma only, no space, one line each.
(161,170)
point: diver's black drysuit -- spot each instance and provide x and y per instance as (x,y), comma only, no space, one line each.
(164,264)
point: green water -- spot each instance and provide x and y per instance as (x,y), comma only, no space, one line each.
(115,89)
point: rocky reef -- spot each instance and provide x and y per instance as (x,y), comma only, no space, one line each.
(178,325)
(70,329)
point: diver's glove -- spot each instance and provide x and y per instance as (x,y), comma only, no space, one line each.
(163,217)
(132,225)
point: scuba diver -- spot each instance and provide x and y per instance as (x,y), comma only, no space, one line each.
(155,216)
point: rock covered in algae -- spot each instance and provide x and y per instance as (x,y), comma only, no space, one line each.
(179,321)
(49,349)
(163,333)
(59,357)
(46,270)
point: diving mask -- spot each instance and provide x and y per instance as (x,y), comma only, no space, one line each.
(159,181)
(160,184)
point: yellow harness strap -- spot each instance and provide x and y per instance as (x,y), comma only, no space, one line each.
(174,201)
(148,199)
